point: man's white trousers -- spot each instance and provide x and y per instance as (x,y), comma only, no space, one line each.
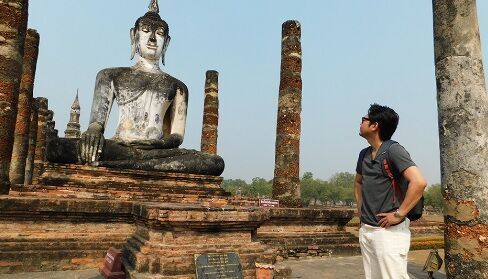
(385,251)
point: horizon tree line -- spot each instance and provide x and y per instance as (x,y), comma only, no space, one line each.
(338,190)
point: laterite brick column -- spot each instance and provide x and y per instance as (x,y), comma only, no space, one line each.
(29,162)
(286,182)
(51,132)
(13,26)
(21,139)
(40,153)
(210,113)
(463,137)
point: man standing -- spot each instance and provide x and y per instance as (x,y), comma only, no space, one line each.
(384,235)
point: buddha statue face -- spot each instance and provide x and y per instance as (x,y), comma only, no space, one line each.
(150,37)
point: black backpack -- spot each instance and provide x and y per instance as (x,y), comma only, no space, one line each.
(399,190)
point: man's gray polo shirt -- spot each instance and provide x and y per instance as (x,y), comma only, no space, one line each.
(377,191)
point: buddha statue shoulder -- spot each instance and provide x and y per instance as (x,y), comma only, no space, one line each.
(152,113)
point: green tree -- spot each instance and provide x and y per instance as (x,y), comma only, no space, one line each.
(232,185)
(310,189)
(433,196)
(341,188)
(324,192)
(348,196)
(260,187)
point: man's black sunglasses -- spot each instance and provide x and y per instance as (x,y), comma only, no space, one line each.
(365,119)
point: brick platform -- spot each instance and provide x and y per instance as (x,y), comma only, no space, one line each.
(38,234)
(85,182)
(159,221)
(173,233)
(300,232)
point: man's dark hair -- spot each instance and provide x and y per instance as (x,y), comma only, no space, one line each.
(386,118)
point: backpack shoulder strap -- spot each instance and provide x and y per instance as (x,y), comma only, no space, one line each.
(390,172)
(386,156)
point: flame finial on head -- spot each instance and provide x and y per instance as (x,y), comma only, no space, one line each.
(154,7)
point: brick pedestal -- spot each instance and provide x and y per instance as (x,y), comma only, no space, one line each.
(169,235)
(309,232)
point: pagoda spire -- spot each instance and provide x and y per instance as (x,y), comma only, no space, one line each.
(73,127)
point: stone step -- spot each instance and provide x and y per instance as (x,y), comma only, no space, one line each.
(306,236)
(39,256)
(319,250)
(300,242)
(285,234)
(58,245)
(39,236)
(176,189)
(307,239)
(107,191)
(61,174)
(59,192)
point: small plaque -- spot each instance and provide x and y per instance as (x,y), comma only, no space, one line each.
(218,266)
(112,265)
(269,203)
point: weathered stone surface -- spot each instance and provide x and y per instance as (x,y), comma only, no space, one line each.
(286,182)
(210,113)
(99,183)
(51,132)
(13,29)
(174,233)
(53,234)
(29,162)
(21,138)
(456,31)
(301,232)
(42,209)
(40,152)
(119,155)
(463,137)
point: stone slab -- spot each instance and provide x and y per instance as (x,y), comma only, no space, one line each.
(218,266)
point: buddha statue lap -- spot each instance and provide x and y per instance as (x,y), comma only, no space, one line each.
(152,113)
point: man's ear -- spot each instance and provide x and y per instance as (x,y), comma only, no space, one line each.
(165,47)
(132,43)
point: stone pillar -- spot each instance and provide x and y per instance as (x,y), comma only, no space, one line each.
(40,153)
(286,182)
(210,113)
(463,137)
(13,26)
(21,138)
(51,132)
(29,162)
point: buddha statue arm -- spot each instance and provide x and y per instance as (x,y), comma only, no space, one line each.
(177,115)
(91,143)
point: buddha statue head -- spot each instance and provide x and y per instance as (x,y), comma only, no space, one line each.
(150,35)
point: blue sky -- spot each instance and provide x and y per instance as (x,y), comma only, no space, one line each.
(354,53)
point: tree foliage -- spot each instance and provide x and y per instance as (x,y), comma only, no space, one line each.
(259,187)
(338,190)
(433,196)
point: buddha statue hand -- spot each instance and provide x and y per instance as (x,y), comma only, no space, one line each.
(168,142)
(90,146)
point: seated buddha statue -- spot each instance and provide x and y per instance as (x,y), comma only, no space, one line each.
(152,113)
